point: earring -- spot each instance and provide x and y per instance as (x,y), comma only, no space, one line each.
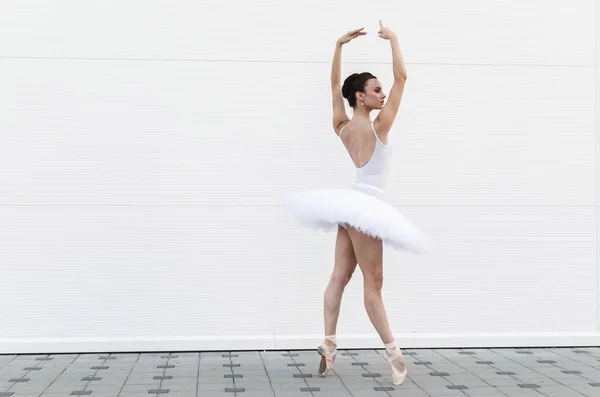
(362,104)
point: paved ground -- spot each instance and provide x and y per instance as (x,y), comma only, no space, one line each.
(561,372)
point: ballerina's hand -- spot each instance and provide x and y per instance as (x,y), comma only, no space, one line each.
(385,33)
(351,35)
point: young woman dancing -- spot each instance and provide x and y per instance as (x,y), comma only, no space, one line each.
(364,221)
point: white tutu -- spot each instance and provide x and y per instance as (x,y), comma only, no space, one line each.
(325,209)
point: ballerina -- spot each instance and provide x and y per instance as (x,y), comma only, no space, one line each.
(364,221)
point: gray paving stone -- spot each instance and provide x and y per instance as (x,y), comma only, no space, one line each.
(485,392)
(559,391)
(469,372)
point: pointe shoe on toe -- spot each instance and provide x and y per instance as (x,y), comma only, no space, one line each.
(328,351)
(397,375)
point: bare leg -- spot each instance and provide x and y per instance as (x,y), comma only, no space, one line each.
(345,264)
(369,252)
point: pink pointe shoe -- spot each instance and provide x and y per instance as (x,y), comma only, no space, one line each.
(328,351)
(397,376)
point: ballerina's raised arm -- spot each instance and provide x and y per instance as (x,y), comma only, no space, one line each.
(339,111)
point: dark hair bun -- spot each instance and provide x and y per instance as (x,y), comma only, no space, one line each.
(347,87)
(354,83)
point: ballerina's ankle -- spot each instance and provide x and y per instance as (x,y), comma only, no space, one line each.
(392,351)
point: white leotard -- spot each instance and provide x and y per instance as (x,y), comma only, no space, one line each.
(374,174)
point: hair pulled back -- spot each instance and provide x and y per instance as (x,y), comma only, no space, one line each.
(354,83)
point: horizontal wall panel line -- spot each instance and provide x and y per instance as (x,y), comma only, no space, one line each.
(281,205)
(296,61)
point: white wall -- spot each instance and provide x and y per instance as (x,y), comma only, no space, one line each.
(145,148)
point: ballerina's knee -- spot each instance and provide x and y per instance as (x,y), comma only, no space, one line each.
(373,281)
(341,279)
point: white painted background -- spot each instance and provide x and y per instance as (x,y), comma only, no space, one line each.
(146,146)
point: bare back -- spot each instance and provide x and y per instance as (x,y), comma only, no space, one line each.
(360,140)
(371,156)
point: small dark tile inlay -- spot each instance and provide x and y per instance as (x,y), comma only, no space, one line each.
(90,378)
(410,353)
(371,375)
(100,367)
(595,384)
(163,377)
(523,352)
(32,368)
(231,365)
(290,355)
(108,358)
(546,361)
(6,393)
(303,376)
(457,387)
(17,380)
(528,385)
(168,356)
(235,390)
(349,354)
(505,373)
(310,389)
(165,366)
(158,391)
(44,358)
(81,393)
(484,362)
(385,388)
(581,351)
(229,355)
(360,363)
(422,363)
(232,376)
(439,373)
(469,353)
(572,372)
(295,365)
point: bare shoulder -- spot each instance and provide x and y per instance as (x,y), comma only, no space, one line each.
(338,127)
